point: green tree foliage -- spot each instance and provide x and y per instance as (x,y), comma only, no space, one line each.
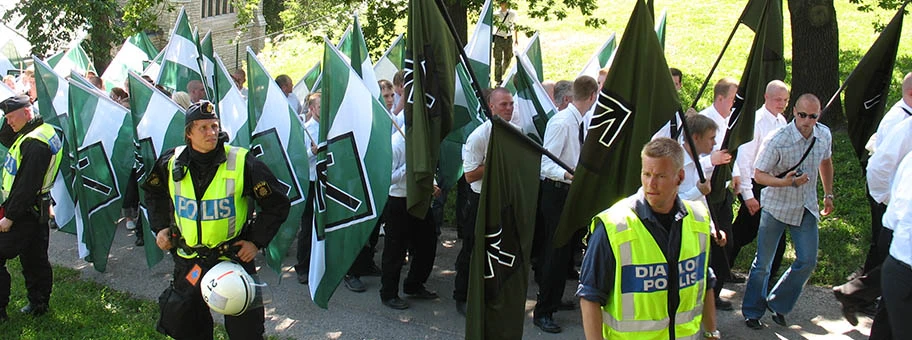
(52,25)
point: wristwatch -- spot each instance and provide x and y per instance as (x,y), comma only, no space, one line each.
(830,196)
(712,335)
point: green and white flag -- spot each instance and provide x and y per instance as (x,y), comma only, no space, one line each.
(467,113)
(207,63)
(53,105)
(13,51)
(103,134)
(74,59)
(601,59)
(277,139)
(660,27)
(158,124)
(533,107)
(392,60)
(134,51)
(232,106)
(308,83)
(154,67)
(353,174)
(78,78)
(355,49)
(478,48)
(180,62)
(6,92)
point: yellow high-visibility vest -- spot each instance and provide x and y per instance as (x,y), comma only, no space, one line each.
(44,133)
(220,215)
(638,305)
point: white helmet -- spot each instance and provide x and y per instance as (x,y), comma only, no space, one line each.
(228,289)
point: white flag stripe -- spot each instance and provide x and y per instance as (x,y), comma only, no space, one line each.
(182,51)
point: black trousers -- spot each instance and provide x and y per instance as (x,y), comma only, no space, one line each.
(554,261)
(745,230)
(721,213)
(897,293)
(880,329)
(197,320)
(404,231)
(305,237)
(465,253)
(29,240)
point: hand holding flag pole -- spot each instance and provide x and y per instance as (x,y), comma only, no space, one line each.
(477,89)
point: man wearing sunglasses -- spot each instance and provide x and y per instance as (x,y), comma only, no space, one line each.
(787,164)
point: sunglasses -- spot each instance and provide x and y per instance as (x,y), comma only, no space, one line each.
(806,115)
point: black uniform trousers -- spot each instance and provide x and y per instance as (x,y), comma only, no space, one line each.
(745,230)
(195,318)
(468,243)
(418,236)
(897,292)
(881,329)
(29,240)
(721,213)
(554,261)
(305,237)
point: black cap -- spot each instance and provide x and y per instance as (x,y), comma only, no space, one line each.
(198,111)
(14,103)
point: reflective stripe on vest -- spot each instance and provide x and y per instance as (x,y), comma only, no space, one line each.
(221,212)
(46,134)
(637,308)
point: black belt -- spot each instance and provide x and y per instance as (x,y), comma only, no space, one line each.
(558,184)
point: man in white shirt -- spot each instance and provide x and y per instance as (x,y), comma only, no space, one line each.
(768,118)
(563,138)
(720,210)
(404,231)
(311,135)
(287,86)
(505,38)
(500,102)
(896,270)
(862,290)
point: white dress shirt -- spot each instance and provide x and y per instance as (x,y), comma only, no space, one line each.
(474,151)
(313,130)
(883,163)
(891,119)
(562,139)
(898,216)
(294,103)
(722,123)
(397,181)
(764,124)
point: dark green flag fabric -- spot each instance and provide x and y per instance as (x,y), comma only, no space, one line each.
(430,59)
(637,98)
(764,64)
(866,87)
(499,269)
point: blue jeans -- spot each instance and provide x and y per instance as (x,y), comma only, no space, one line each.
(787,290)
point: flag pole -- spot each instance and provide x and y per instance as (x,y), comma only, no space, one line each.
(718,59)
(477,88)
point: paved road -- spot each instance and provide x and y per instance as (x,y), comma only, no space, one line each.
(292,314)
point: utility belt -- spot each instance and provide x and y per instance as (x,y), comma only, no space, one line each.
(41,209)
(209,255)
(557,184)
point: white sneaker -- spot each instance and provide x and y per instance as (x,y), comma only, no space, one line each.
(130,224)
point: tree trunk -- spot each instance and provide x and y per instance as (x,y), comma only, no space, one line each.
(815,55)
(458,13)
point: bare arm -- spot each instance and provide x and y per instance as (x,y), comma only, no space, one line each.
(592,319)
(773,181)
(826,177)
(475,175)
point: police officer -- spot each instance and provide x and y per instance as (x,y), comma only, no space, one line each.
(28,175)
(648,254)
(198,198)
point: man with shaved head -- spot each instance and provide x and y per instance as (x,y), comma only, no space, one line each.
(787,164)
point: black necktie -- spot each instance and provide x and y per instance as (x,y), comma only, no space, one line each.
(581,130)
